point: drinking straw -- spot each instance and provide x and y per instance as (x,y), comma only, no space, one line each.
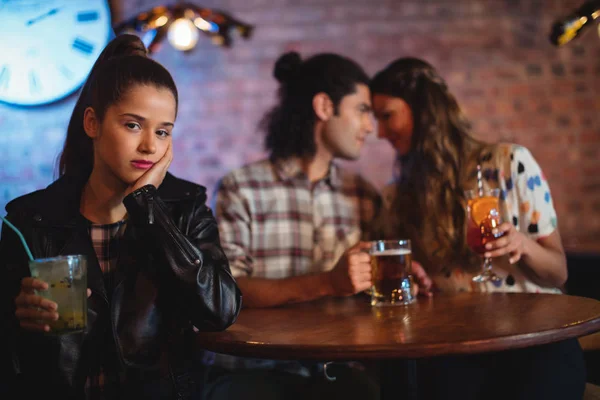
(479,181)
(20,235)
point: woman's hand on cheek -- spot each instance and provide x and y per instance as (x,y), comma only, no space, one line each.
(155,175)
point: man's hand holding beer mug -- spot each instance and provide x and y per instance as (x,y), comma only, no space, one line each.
(352,273)
(396,278)
(384,269)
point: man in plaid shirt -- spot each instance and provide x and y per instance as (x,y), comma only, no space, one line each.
(291,225)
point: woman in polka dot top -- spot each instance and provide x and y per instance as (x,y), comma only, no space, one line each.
(437,161)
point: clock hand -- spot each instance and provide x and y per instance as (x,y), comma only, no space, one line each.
(41,17)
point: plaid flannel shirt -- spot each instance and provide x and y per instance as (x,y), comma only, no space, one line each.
(106,240)
(274,223)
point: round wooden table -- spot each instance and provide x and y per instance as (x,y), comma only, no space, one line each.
(350,329)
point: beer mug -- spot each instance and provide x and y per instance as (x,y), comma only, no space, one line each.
(390,273)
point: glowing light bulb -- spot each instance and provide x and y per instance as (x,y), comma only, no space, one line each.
(182,34)
(205,25)
(201,23)
(160,21)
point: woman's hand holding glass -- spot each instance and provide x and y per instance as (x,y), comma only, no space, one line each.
(512,243)
(423,282)
(33,311)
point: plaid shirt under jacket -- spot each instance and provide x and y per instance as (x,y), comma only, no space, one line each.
(106,240)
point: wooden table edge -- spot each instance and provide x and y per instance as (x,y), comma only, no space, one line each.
(211,342)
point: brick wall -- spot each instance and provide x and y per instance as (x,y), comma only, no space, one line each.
(495,55)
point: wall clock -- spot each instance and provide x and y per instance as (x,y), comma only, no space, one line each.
(47,47)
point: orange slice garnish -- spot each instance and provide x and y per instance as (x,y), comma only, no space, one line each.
(481,207)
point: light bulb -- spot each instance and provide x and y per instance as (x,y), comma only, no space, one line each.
(182,34)
(160,21)
(205,25)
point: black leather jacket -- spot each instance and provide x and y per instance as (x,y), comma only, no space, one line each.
(171,273)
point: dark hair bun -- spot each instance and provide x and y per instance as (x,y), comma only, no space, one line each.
(286,66)
(126,45)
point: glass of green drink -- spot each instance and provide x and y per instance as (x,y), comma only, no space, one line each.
(66,277)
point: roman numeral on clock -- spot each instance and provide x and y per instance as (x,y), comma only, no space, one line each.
(4,77)
(66,72)
(87,16)
(34,83)
(83,46)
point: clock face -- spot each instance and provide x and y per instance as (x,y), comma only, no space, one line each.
(47,47)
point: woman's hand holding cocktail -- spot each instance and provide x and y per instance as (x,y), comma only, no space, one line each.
(512,243)
(422,280)
(33,311)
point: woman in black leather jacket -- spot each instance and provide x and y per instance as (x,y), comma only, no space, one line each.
(162,273)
